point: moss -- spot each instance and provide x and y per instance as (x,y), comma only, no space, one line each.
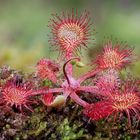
(35,125)
(68,132)
(64,124)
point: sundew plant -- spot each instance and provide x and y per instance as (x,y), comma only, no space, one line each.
(102,94)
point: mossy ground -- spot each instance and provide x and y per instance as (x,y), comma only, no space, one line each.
(67,123)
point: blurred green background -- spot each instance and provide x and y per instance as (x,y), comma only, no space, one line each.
(23,27)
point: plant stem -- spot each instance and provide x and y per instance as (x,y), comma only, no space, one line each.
(78,100)
(69,67)
(88,75)
(92,89)
(65,71)
(42,91)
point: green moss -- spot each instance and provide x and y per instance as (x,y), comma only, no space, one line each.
(68,132)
